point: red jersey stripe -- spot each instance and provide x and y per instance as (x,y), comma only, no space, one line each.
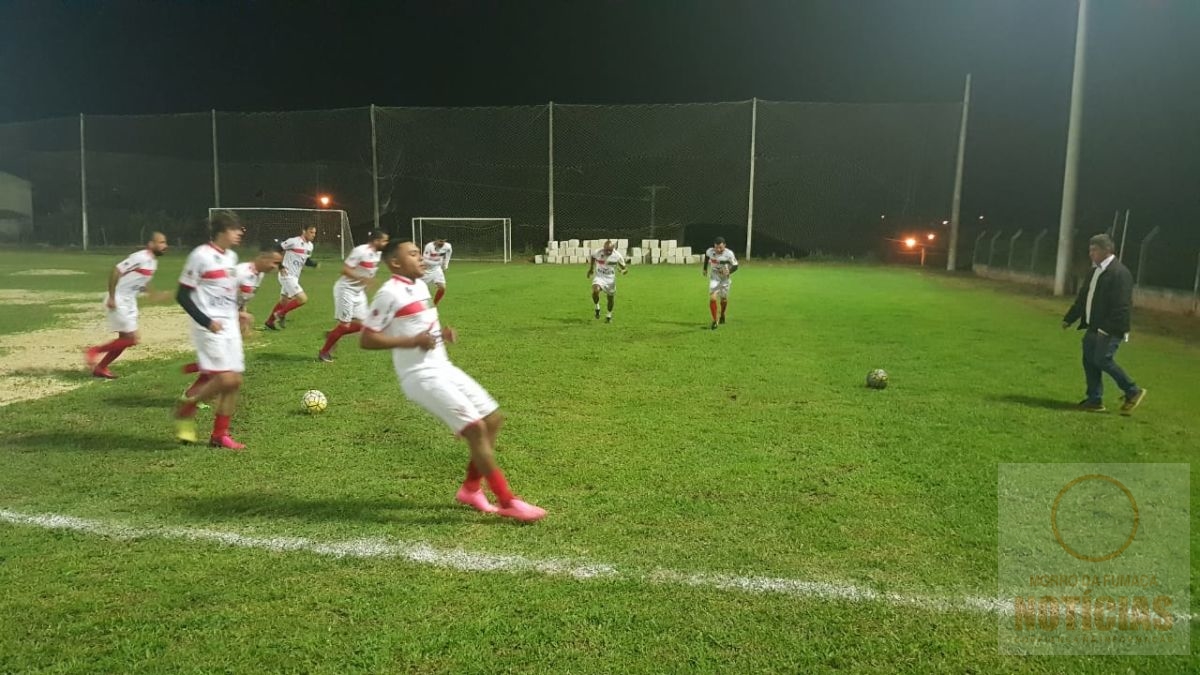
(299,250)
(412,308)
(366,264)
(144,272)
(215,274)
(247,289)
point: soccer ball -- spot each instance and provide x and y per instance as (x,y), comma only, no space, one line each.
(314,402)
(877,379)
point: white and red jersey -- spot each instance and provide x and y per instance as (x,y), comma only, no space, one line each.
(724,261)
(136,272)
(363,259)
(296,252)
(434,256)
(248,280)
(607,263)
(404,307)
(211,273)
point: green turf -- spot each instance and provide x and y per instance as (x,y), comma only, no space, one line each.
(653,442)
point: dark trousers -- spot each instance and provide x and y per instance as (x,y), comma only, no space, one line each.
(1098,352)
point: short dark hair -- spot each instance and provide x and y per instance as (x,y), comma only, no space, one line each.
(1103,242)
(718,240)
(223,221)
(376,234)
(270,246)
(389,251)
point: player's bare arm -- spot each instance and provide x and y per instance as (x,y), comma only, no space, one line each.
(113,277)
(376,340)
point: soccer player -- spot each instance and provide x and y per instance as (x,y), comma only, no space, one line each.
(297,254)
(208,292)
(249,277)
(719,265)
(602,269)
(404,319)
(127,279)
(350,291)
(436,262)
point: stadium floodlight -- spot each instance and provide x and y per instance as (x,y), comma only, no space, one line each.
(324,201)
(910,242)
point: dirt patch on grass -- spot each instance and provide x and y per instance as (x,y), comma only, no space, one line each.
(50,361)
(46,273)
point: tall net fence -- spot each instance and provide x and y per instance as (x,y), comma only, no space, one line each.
(44,155)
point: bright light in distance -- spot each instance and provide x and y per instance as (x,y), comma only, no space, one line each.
(930,236)
(945,222)
(324,200)
(910,242)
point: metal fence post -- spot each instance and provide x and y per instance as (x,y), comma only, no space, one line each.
(992,250)
(1037,243)
(1142,254)
(975,248)
(1012,245)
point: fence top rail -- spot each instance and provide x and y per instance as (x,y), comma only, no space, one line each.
(457,218)
(271,208)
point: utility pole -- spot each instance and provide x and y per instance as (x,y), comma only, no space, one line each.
(653,203)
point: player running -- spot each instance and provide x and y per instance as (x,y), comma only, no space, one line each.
(208,292)
(719,265)
(350,291)
(436,260)
(404,319)
(297,254)
(602,269)
(128,278)
(249,277)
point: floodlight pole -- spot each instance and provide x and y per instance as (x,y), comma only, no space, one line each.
(956,202)
(83,206)
(753,152)
(653,203)
(374,169)
(216,164)
(550,176)
(1066,223)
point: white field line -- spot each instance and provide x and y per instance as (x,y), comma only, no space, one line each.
(466,561)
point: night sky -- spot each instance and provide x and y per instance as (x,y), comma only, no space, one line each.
(1142,118)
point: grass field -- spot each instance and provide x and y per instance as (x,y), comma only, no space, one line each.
(694,479)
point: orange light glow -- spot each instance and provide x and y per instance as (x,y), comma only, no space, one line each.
(929,236)
(910,242)
(324,200)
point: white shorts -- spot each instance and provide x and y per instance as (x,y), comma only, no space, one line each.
(219,352)
(124,318)
(289,286)
(349,303)
(719,286)
(450,395)
(606,284)
(435,276)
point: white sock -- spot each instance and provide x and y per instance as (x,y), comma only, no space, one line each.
(610,315)
(597,307)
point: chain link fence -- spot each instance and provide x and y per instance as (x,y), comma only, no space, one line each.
(822,173)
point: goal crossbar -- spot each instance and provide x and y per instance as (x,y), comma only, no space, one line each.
(295,220)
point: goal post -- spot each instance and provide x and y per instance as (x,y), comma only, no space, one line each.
(479,239)
(264,223)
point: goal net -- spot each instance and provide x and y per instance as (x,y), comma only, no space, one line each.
(482,239)
(264,224)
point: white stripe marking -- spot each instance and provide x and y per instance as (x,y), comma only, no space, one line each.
(466,561)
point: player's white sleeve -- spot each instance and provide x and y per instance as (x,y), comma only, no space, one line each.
(733,259)
(446,259)
(383,311)
(130,263)
(356,256)
(192,270)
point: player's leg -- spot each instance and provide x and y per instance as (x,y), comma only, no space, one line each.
(487,427)
(224,407)
(596,297)
(441,292)
(122,320)
(713,285)
(611,292)
(724,293)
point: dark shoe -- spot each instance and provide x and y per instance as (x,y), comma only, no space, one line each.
(722,319)
(1132,402)
(608,319)
(325,357)
(1091,406)
(714,325)
(597,313)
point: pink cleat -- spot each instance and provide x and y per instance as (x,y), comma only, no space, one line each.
(103,373)
(519,510)
(91,357)
(476,500)
(225,442)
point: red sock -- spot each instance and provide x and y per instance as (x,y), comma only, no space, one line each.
(110,357)
(499,487)
(437,297)
(337,333)
(471,484)
(204,377)
(289,306)
(220,426)
(117,344)
(191,368)
(723,303)
(712,307)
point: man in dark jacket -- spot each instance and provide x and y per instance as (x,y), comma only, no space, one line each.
(1102,309)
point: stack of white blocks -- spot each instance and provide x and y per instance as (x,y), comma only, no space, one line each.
(651,252)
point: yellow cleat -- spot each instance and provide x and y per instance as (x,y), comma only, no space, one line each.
(185,430)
